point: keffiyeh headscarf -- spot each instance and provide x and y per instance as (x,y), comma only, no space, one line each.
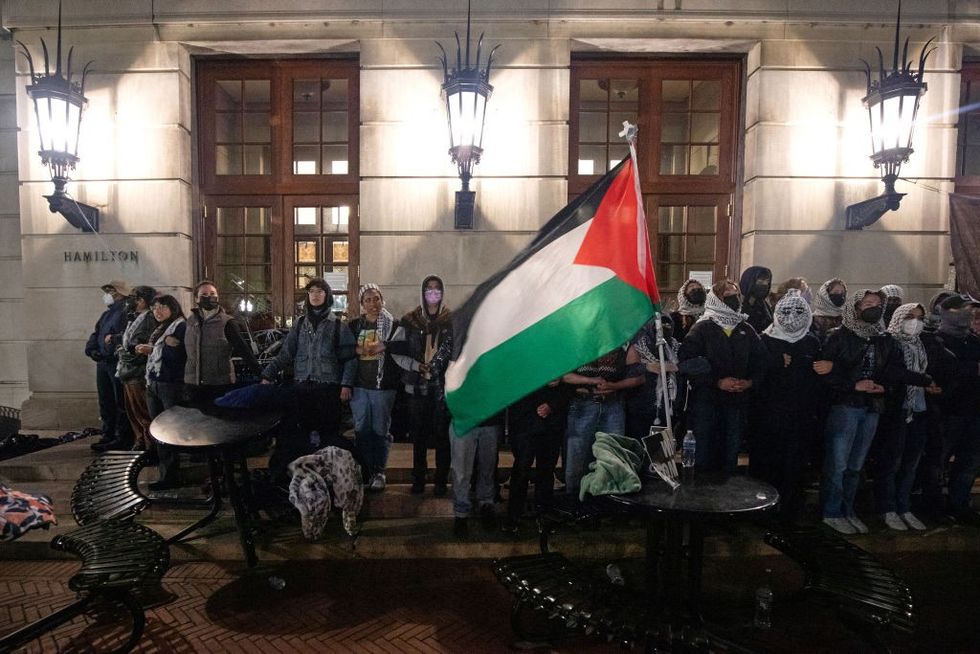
(853,321)
(386,322)
(791,318)
(893,290)
(822,306)
(720,313)
(684,306)
(915,355)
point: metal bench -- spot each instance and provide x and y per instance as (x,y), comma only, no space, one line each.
(107,488)
(119,558)
(870,597)
(574,599)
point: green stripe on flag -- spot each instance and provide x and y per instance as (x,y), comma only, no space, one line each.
(579,332)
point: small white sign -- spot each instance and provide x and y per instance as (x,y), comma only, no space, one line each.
(704,277)
(337,280)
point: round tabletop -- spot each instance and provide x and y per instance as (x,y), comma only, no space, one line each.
(185,427)
(707,493)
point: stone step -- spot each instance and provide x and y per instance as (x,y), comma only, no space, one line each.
(67,461)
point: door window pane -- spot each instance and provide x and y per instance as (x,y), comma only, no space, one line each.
(242,133)
(685,241)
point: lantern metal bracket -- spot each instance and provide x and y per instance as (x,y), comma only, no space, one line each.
(51,86)
(902,81)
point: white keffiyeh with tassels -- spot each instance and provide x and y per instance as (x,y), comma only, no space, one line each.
(720,313)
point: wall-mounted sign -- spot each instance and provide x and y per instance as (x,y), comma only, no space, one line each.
(102,256)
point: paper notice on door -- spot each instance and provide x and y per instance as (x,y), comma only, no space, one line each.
(705,277)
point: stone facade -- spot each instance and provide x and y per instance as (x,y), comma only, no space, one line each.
(803,152)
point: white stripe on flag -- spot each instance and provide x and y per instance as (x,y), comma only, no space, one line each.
(534,290)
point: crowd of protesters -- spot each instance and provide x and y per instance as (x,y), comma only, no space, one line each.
(812,385)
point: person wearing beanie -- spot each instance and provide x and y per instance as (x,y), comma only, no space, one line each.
(375,377)
(318,346)
(956,365)
(101,348)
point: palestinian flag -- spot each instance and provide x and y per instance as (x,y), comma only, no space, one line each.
(584,286)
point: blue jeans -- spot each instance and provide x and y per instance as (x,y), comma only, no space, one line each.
(717,427)
(585,418)
(479,444)
(898,461)
(372,418)
(849,433)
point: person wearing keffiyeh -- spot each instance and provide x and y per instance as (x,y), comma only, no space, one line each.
(785,405)
(867,363)
(375,376)
(827,307)
(720,396)
(690,306)
(904,426)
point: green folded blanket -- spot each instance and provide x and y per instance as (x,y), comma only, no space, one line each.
(614,471)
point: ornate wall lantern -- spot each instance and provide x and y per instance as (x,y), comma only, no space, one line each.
(467,90)
(892,102)
(58,105)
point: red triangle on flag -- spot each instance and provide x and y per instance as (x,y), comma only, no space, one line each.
(617,238)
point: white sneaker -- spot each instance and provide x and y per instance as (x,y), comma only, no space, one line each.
(377,482)
(840,525)
(892,521)
(913,522)
(858,525)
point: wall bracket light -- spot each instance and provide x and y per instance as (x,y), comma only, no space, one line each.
(58,104)
(892,102)
(467,90)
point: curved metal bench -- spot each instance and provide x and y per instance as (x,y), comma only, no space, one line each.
(869,596)
(107,489)
(118,558)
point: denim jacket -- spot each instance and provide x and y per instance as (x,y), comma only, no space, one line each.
(318,355)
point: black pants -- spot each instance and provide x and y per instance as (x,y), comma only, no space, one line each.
(160,396)
(778,454)
(112,404)
(430,428)
(538,448)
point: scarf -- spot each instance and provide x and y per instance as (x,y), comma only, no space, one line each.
(127,337)
(822,306)
(853,321)
(915,356)
(386,322)
(646,347)
(893,290)
(791,318)
(155,360)
(720,313)
(684,306)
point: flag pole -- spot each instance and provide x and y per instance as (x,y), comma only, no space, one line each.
(629,133)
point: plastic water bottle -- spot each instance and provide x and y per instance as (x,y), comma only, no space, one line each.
(687,451)
(315,439)
(615,575)
(763,604)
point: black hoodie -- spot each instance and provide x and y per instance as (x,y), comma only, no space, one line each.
(760,316)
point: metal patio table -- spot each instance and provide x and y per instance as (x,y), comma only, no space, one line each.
(221,435)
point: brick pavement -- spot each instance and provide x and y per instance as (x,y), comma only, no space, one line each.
(374,607)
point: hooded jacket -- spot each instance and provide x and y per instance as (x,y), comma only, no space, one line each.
(319,352)
(112,322)
(423,331)
(760,315)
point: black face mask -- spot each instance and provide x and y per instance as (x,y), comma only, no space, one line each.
(732,302)
(668,331)
(837,299)
(871,315)
(208,302)
(761,290)
(697,296)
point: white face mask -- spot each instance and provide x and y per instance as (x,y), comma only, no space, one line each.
(108,299)
(912,327)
